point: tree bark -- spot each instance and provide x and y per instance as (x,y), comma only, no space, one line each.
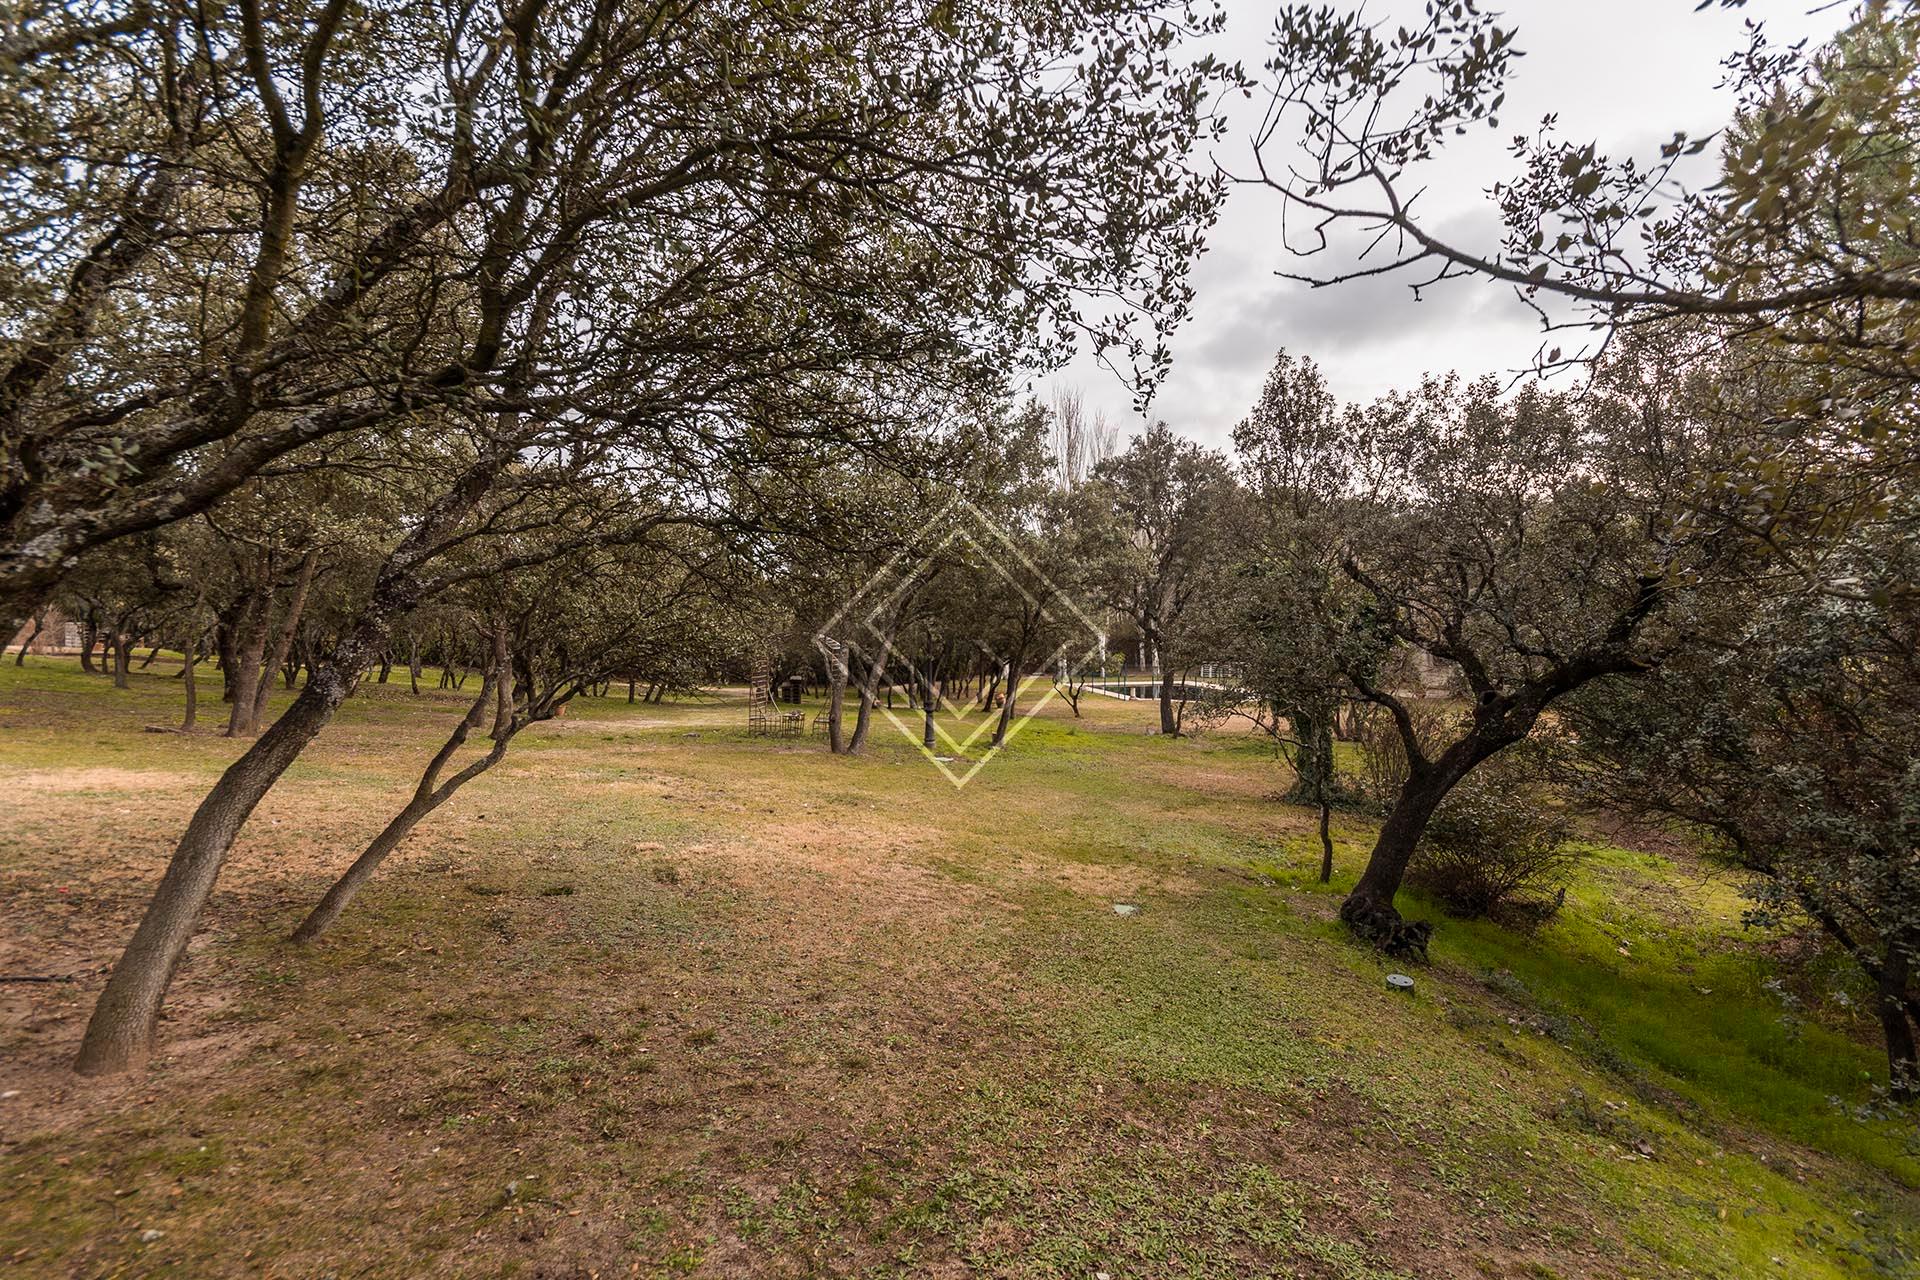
(191,656)
(427,796)
(929,704)
(1150,633)
(1011,698)
(1903,1054)
(283,640)
(1369,908)
(1326,838)
(249,650)
(119,643)
(989,691)
(120,1034)
(874,673)
(39,622)
(1313,757)
(836,696)
(223,655)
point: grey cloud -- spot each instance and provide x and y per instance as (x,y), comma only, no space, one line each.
(1593,65)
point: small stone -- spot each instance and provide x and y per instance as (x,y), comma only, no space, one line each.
(1126,908)
(11,1093)
(1400,982)
(150,1235)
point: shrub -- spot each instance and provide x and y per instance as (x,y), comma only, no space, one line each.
(1495,848)
(1383,755)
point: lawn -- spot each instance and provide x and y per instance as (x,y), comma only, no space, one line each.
(657,998)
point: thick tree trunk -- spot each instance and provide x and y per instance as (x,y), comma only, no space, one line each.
(1369,909)
(120,645)
(120,1035)
(249,651)
(1169,724)
(1313,757)
(88,638)
(223,656)
(1897,1025)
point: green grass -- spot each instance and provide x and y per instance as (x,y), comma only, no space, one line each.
(655,996)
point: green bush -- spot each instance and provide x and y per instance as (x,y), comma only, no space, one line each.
(1495,848)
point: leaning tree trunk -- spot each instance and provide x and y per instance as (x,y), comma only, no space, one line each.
(988,691)
(1369,908)
(427,797)
(39,622)
(120,1033)
(875,672)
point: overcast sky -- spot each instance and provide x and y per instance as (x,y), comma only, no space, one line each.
(1627,73)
